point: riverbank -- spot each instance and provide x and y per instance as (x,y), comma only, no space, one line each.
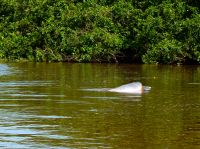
(165,32)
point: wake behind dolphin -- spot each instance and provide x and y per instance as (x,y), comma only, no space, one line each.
(131,88)
(4,70)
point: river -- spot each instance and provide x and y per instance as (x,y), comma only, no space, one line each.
(65,106)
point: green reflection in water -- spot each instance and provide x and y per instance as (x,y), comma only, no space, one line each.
(43,106)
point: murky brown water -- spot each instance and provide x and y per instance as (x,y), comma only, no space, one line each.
(59,106)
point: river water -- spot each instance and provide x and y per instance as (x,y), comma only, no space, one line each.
(66,106)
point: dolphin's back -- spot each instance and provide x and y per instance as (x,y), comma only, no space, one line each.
(135,87)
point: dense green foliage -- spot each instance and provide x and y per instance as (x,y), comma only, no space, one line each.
(100,30)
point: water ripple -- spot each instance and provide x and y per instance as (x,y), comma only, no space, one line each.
(25,83)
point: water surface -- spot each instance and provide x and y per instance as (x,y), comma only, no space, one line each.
(64,106)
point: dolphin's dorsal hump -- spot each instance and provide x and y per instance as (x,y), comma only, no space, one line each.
(134,87)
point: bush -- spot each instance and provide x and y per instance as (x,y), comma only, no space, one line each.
(100,31)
